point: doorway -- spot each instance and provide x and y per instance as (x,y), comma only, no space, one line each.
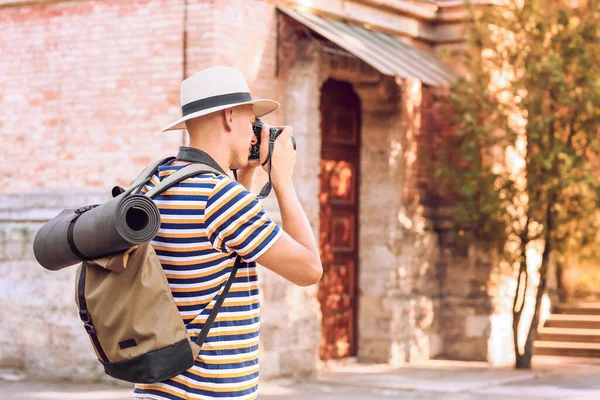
(338,236)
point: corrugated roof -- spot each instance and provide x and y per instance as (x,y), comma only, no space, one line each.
(388,54)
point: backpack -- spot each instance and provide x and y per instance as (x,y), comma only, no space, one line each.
(127,308)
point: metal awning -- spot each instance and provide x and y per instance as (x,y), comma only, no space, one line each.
(387,54)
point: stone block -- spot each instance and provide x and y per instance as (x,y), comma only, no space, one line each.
(376,282)
(374,351)
(477,326)
(273,287)
(436,345)
(11,350)
(372,306)
(298,364)
(269,364)
(461,348)
(269,338)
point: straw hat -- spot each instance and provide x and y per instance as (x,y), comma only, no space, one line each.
(214,89)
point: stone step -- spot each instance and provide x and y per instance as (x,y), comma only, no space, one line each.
(569,335)
(578,308)
(573,321)
(543,361)
(566,349)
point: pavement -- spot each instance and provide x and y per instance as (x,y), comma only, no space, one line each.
(565,379)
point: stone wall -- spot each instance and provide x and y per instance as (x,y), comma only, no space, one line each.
(397,311)
(290,315)
(466,307)
(40,331)
(397,247)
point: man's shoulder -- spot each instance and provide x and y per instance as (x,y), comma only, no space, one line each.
(207,181)
(207,178)
(226,186)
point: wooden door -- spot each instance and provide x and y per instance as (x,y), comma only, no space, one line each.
(340,133)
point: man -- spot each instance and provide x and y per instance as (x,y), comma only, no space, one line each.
(208,219)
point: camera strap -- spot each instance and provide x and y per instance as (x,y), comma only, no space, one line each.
(266,189)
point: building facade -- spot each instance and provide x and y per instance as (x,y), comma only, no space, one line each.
(86,86)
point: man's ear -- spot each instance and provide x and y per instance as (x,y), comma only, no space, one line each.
(228,119)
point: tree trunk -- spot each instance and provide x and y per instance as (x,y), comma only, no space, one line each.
(560,286)
(523,361)
(520,295)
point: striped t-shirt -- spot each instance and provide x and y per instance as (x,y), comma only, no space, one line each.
(205,221)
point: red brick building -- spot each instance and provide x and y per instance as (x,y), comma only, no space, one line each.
(85,87)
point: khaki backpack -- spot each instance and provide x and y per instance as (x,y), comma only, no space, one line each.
(128,310)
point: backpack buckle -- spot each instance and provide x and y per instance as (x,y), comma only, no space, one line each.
(89,328)
(85,316)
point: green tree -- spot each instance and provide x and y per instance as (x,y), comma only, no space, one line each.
(527,138)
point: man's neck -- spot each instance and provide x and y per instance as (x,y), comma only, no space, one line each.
(219,153)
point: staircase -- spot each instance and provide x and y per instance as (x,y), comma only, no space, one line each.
(572,331)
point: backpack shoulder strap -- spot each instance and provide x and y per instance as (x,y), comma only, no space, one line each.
(213,314)
(149,171)
(186,172)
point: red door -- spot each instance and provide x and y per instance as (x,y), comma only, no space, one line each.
(338,239)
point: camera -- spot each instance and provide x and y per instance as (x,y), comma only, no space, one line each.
(274,132)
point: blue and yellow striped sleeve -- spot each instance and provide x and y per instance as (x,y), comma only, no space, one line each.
(236,222)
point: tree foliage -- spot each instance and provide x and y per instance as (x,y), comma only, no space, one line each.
(524,165)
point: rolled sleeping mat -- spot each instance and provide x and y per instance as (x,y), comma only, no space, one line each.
(114,226)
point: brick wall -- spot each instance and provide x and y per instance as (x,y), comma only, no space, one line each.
(85,89)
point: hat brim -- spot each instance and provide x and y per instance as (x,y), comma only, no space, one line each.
(260,107)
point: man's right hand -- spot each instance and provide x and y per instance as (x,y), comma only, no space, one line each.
(283,158)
